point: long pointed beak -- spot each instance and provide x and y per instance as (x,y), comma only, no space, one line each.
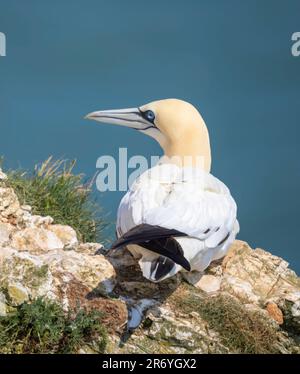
(131,117)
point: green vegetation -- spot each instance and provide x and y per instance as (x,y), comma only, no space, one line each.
(52,189)
(241,330)
(43,327)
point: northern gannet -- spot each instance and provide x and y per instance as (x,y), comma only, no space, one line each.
(176,216)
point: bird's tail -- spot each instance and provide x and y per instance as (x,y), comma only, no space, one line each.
(156,239)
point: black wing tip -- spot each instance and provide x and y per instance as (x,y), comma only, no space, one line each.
(144,232)
(156,239)
(116,245)
(185,264)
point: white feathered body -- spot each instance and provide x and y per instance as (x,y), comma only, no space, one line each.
(189,200)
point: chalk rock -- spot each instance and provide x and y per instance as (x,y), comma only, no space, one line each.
(3,176)
(25,275)
(17,293)
(66,234)
(94,272)
(6,229)
(209,283)
(248,290)
(22,273)
(35,220)
(89,248)
(9,203)
(36,240)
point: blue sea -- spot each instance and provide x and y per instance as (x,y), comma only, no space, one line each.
(232,59)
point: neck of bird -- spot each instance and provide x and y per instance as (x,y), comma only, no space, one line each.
(192,152)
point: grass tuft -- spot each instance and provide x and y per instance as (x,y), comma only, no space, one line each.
(43,327)
(52,189)
(241,330)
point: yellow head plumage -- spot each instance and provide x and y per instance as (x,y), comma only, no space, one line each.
(175,124)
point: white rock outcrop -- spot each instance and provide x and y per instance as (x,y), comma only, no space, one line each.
(39,257)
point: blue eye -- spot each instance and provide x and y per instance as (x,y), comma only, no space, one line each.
(150,115)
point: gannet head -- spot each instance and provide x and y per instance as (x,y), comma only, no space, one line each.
(175,124)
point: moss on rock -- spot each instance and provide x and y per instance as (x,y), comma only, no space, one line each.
(43,327)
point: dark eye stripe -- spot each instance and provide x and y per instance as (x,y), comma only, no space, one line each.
(148,115)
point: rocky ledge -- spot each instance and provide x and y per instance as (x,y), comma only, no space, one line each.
(248,302)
